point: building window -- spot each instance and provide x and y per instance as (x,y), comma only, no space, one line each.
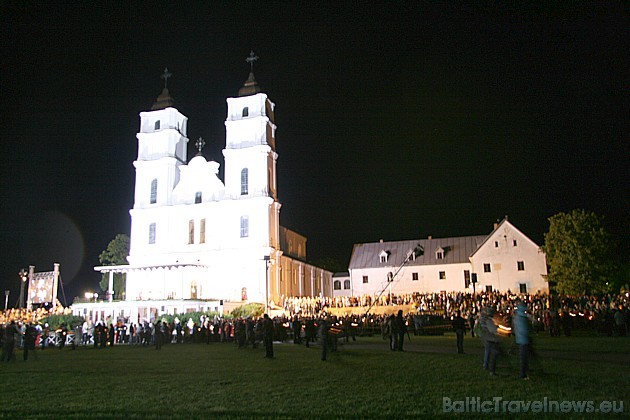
(152,233)
(244,181)
(191,231)
(439,253)
(442,275)
(336,285)
(346,285)
(496,244)
(486,268)
(198,197)
(365,279)
(489,289)
(414,276)
(466,279)
(522,287)
(244,226)
(202,231)
(153,199)
(157,125)
(520,265)
(514,242)
(245,112)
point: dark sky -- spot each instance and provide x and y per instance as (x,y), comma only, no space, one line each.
(395,120)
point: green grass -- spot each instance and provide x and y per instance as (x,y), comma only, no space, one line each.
(363,379)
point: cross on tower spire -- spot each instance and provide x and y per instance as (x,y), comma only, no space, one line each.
(200,143)
(165,76)
(252,57)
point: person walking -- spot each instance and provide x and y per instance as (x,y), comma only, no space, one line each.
(324,329)
(521,335)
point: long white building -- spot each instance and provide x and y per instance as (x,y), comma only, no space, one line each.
(506,259)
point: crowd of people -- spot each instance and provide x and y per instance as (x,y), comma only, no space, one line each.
(309,320)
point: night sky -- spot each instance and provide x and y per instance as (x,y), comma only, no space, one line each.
(395,120)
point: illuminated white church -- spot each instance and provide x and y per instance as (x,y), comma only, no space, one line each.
(197,242)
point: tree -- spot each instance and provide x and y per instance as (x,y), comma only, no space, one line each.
(115,254)
(580,253)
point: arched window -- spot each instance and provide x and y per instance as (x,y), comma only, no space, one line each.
(336,285)
(152,233)
(157,125)
(153,191)
(244,181)
(245,112)
(198,197)
(346,285)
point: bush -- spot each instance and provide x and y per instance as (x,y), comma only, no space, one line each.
(70,321)
(249,310)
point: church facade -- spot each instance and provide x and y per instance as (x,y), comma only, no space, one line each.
(197,242)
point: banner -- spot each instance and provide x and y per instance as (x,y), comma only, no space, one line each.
(41,287)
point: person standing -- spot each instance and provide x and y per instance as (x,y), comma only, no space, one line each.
(324,329)
(493,342)
(9,341)
(521,335)
(459,326)
(401,330)
(268,336)
(29,341)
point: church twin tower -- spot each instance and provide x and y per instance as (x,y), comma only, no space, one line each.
(192,236)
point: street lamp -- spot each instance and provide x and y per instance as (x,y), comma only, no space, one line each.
(267,259)
(23,276)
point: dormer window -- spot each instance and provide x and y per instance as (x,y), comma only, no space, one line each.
(383,256)
(439,253)
(157,125)
(245,112)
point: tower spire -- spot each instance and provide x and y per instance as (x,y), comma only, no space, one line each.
(164,100)
(250,87)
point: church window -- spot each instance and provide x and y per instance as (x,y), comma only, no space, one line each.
(202,231)
(520,265)
(245,112)
(365,279)
(337,285)
(442,275)
(488,288)
(466,279)
(522,288)
(514,242)
(153,191)
(152,233)
(198,197)
(414,276)
(486,268)
(244,226)
(191,231)
(346,285)
(244,181)
(496,244)
(157,125)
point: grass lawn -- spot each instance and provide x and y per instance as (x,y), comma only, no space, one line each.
(362,379)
